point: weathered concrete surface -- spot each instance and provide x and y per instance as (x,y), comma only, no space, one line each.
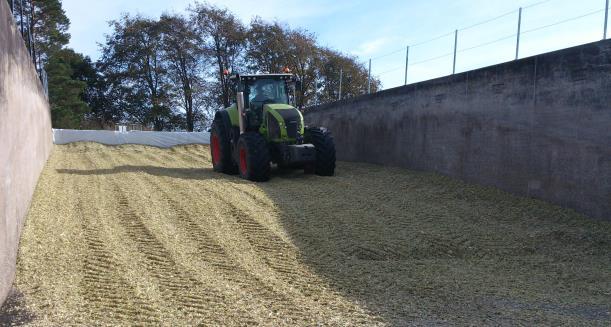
(25,141)
(540,127)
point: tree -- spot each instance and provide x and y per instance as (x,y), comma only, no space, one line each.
(304,61)
(354,76)
(185,60)
(272,47)
(267,50)
(46,24)
(134,66)
(67,71)
(106,103)
(224,37)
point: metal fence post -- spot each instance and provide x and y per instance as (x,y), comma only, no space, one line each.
(606,19)
(519,32)
(316,91)
(406,63)
(21,16)
(341,76)
(369,79)
(455,46)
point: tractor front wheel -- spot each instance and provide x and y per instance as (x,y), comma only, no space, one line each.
(322,140)
(253,157)
(220,149)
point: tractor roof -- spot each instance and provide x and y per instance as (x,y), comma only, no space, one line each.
(262,76)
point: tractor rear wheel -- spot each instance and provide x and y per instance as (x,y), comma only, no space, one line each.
(220,149)
(253,157)
(322,140)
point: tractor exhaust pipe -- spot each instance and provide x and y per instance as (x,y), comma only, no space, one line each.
(240,103)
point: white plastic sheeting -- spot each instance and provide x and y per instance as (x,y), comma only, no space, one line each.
(158,139)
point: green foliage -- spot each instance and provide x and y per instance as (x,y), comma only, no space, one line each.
(47,24)
(185,59)
(354,76)
(49,27)
(223,37)
(169,73)
(133,63)
(175,66)
(272,46)
(68,72)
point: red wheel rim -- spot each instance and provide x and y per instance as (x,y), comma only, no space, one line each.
(216,149)
(243,163)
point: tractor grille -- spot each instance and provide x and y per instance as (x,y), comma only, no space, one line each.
(291,129)
(292,120)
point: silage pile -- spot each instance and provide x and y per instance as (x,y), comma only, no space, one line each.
(134,234)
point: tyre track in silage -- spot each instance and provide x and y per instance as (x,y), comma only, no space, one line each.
(284,260)
(178,287)
(110,296)
(173,282)
(211,252)
(280,256)
(263,240)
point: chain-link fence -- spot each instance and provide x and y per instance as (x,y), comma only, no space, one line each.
(19,9)
(499,39)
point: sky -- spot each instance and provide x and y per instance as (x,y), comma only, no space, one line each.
(383,29)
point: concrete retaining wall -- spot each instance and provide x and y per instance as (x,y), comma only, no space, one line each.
(540,127)
(25,141)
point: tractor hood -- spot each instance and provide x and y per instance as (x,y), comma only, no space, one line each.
(278,106)
(283,122)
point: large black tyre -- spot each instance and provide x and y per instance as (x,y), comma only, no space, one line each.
(322,140)
(253,157)
(220,148)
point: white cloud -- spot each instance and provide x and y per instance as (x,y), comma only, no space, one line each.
(372,47)
(282,10)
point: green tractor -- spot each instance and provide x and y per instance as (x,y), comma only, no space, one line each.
(262,127)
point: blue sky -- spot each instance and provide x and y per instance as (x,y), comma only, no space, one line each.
(382,29)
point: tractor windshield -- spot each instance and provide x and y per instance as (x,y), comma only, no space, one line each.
(267,91)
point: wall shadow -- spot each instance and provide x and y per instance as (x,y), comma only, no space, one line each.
(14,311)
(422,249)
(182,173)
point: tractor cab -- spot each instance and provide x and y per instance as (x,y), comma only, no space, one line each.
(259,90)
(262,89)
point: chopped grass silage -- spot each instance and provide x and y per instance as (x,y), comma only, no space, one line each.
(140,235)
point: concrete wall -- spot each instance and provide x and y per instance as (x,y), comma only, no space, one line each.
(25,141)
(540,127)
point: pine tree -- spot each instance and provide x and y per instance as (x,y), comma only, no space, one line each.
(67,72)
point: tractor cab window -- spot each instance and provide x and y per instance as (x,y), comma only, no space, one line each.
(267,91)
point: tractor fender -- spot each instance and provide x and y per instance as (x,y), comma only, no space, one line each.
(223,116)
